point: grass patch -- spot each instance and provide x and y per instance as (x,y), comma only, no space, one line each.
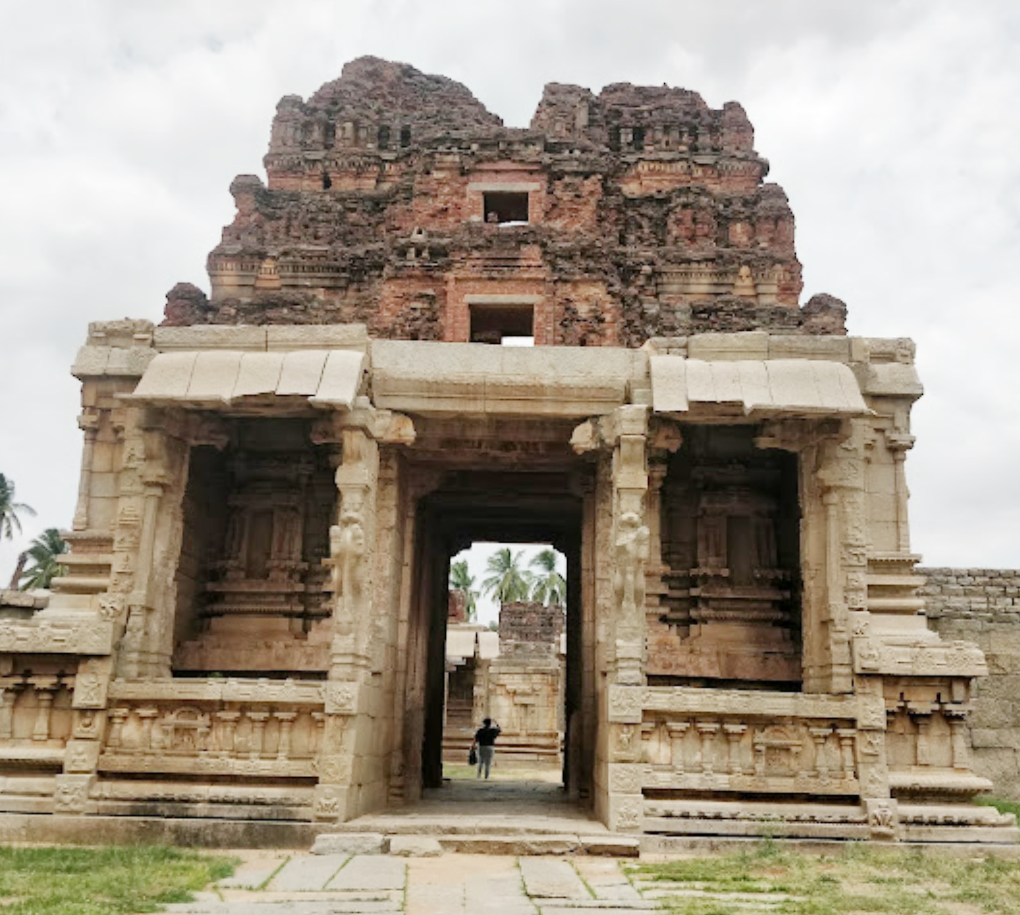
(102,881)
(1000,805)
(858,880)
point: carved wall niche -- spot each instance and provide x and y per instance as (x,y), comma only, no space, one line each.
(35,705)
(252,586)
(730,543)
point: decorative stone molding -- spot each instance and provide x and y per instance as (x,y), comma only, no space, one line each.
(341,697)
(55,637)
(71,794)
(229,689)
(925,659)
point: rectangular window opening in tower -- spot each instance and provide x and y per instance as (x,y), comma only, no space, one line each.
(509,324)
(506,207)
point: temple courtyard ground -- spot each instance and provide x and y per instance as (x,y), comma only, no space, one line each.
(419,877)
(855,880)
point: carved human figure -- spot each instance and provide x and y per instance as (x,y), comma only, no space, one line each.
(631,555)
(351,547)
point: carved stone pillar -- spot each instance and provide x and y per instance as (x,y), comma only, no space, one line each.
(957,718)
(629,435)
(899,443)
(677,730)
(353,563)
(842,487)
(88,422)
(228,728)
(923,721)
(656,567)
(8,685)
(872,763)
(351,543)
(45,688)
(117,718)
(286,720)
(706,752)
(734,733)
(820,736)
(132,659)
(148,718)
(258,732)
(846,751)
(351,546)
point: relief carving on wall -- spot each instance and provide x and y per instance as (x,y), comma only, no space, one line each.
(631,551)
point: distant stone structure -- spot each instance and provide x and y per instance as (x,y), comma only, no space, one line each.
(520,684)
(983,605)
(252,626)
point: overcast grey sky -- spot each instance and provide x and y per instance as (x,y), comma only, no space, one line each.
(892,124)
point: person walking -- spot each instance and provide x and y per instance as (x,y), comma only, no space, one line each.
(485,741)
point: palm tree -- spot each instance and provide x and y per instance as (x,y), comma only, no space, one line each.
(9,521)
(43,553)
(549,587)
(461,581)
(507,581)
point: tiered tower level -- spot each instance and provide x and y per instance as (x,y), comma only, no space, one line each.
(395,199)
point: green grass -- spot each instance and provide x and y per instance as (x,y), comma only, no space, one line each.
(1000,805)
(858,880)
(102,881)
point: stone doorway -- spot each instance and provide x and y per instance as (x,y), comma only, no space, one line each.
(505,507)
(506,660)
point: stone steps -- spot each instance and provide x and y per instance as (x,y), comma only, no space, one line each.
(517,844)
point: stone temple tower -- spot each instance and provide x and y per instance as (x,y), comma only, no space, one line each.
(251,627)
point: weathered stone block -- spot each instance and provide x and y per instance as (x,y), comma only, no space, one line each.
(415,846)
(350,843)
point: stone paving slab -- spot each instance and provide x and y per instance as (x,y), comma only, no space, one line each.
(305,872)
(371,872)
(561,909)
(466,885)
(453,884)
(606,879)
(254,872)
(552,879)
(290,907)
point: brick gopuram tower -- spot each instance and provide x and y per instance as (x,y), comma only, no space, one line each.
(251,627)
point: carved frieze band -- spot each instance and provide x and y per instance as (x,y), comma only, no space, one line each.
(92,638)
(248,740)
(226,690)
(958,659)
(627,703)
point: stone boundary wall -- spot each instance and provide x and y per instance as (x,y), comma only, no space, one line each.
(983,606)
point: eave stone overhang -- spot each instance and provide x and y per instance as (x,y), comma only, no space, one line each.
(756,389)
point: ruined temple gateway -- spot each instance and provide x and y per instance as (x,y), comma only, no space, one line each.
(252,622)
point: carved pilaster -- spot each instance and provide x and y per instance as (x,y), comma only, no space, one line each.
(45,691)
(628,433)
(351,543)
(8,685)
(88,422)
(154,479)
(841,485)
(899,443)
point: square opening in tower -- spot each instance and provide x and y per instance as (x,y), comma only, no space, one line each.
(506,323)
(506,206)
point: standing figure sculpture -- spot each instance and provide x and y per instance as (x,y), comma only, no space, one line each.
(631,555)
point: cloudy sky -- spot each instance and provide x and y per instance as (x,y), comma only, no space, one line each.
(892,124)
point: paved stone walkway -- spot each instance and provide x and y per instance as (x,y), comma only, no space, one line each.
(274,883)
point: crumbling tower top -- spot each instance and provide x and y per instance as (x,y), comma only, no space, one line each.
(395,199)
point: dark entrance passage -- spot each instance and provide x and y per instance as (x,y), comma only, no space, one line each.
(504,507)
